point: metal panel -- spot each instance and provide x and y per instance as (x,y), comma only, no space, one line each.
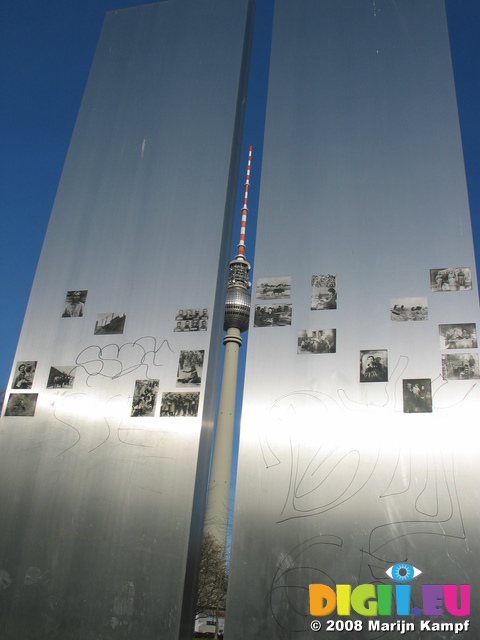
(361,401)
(97,487)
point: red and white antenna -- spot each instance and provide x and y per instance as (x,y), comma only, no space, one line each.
(241,244)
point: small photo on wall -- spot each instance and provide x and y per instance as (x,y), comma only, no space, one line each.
(277,315)
(460,366)
(21,404)
(417,395)
(458,336)
(323,292)
(317,341)
(110,323)
(180,404)
(190,368)
(191,320)
(144,398)
(274,288)
(24,374)
(451,279)
(74,304)
(374,366)
(61,377)
(408,309)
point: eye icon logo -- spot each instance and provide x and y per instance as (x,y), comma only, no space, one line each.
(379,599)
(402,572)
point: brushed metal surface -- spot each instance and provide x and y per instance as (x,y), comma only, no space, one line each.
(96,504)
(362,179)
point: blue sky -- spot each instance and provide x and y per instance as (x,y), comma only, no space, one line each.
(46,52)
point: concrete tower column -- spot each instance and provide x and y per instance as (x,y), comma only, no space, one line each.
(237,315)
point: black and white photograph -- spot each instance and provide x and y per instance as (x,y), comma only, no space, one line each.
(24,374)
(190,368)
(317,341)
(374,365)
(191,320)
(458,336)
(451,279)
(323,292)
(277,315)
(460,366)
(417,395)
(110,323)
(21,404)
(274,288)
(176,404)
(74,304)
(144,398)
(408,309)
(61,377)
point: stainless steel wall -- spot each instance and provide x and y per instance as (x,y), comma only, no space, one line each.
(358,435)
(97,487)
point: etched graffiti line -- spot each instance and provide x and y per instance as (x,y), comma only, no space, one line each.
(114,360)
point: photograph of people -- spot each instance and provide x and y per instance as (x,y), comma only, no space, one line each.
(179,404)
(190,368)
(278,315)
(458,336)
(323,292)
(61,377)
(317,341)
(451,279)
(24,374)
(191,320)
(373,366)
(74,304)
(460,366)
(417,396)
(144,398)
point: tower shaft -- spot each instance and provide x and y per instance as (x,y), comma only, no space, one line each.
(237,314)
(216,516)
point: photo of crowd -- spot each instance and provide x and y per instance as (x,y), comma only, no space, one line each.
(144,398)
(74,304)
(61,377)
(460,366)
(458,336)
(323,292)
(279,315)
(191,320)
(24,374)
(178,404)
(451,279)
(190,368)
(274,288)
(374,366)
(21,404)
(110,323)
(408,309)
(417,396)
(317,341)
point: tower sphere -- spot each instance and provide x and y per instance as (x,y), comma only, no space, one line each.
(237,309)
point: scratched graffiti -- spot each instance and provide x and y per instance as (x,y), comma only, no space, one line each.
(406,498)
(145,355)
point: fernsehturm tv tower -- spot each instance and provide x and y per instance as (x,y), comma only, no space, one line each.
(237,314)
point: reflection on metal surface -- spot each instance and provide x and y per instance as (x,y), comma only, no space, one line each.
(97,485)
(356,459)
